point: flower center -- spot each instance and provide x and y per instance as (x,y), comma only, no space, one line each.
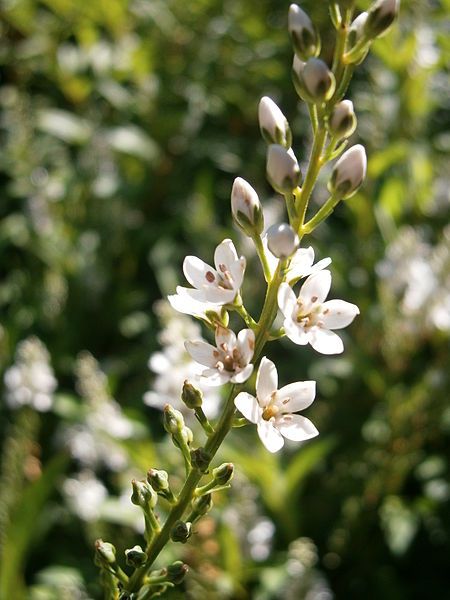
(270,411)
(229,360)
(225,281)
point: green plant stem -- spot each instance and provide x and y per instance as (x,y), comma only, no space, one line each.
(314,166)
(290,205)
(262,258)
(321,214)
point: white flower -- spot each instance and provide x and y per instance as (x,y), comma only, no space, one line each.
(309,319)
(229,360)
(300,264)
(272,408)
(216,286)
(31,380)
(85,495)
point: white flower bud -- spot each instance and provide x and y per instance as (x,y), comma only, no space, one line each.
(282,168)
(282,240)
(297,71)
(342,122)
(318,79)
(273,124)
(357,28)
(304,35)
(246,208)
(380,17)
(349,172)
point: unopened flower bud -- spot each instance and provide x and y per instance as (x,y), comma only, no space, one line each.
(282,168)
(380,17)
(223,474)
(105,553)
(135,557)
(173,420)
(143,494)
(297,77)
(186,435)
(318,80)
(191,396)
(273,124)
(342,122)
(246,208)
(282,240)
(200,459)
(202,505)
(176,572)
(159,480)
(181,532)
(304,35)
(349,172)
(357,28)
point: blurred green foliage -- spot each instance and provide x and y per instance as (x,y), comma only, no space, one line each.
(123,125)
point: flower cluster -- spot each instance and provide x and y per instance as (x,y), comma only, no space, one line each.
(30,381)
(217,290)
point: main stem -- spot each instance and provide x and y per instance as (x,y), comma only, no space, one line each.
(215,440)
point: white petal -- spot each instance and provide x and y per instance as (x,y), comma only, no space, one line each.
(296,428)
(266,381)
(210,294)
(199,273)
(325,341)
(225,339)
(286,299)
(270,437)
(203,353)
(295,332)
(301,262)
(296,396)
(248,406)
(243,375)
(214,377)
(225,254)
(183,303)
(246,344)
(320,265)
(237,270)
(315,289)
(338,313)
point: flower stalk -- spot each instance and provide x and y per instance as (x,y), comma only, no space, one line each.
(216,291)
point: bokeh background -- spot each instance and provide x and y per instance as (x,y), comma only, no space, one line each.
(123,125)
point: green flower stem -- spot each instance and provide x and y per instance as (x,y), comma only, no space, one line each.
(313,116)
(321,214)
(262,258)
(203,420)
(355,53)
(314,166)
(215,440)
(290,205)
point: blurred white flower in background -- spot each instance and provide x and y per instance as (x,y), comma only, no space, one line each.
(30,381)
(96,438)
(173,365)
(85,495)
(415,275)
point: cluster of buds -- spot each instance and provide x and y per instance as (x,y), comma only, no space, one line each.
(215,291)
